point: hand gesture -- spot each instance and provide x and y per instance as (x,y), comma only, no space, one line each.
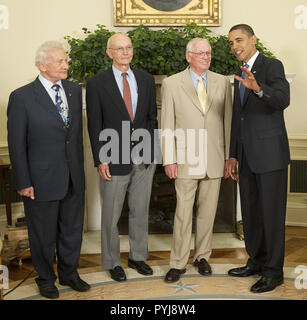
(249,81)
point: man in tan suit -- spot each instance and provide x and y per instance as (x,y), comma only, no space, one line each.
(195,123)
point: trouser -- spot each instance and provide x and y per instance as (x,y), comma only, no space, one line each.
(263,205)
(55,225)
(138,184)
(207,191)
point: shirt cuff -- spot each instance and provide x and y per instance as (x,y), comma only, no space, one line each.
(259,94)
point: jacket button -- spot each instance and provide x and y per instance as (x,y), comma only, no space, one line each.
(242,118)
(132,143)
(67,142)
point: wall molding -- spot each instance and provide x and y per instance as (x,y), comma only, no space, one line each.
(4,151)
(297,202)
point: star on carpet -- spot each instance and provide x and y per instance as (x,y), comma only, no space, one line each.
(181,286)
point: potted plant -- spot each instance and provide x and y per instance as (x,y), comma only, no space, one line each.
(159,52)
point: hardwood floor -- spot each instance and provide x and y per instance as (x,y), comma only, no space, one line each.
(295,254)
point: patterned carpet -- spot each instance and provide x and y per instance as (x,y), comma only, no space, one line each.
(191,286)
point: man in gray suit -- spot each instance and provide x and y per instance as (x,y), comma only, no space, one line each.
(123,101)
(46,151)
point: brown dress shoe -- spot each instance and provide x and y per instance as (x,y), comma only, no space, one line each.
(173,275)
(203,267)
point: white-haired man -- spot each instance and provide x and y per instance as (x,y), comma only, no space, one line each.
(46,152)
(197,103)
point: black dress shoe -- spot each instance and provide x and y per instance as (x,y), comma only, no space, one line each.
(266,284)
(118,274)
(140,266)
(49,291)
(243,272)
(203,267)
(77,284)
(174,275)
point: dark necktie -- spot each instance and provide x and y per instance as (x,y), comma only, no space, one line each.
(60,105)
(242,87)
(127,95)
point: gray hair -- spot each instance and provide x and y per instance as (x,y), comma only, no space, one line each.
(41,53)
(192,42)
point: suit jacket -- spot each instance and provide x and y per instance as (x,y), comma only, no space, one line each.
(181,109)
(43,152)
(258,125)
(106,110)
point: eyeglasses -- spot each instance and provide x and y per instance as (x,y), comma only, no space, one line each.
(122,49)
(199,54)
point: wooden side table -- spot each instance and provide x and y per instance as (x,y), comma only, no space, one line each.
(5,177)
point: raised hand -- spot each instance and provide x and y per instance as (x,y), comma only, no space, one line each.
(249,81)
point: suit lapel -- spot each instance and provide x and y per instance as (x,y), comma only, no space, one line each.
(256,66)
(44,100)
(188,87)
(69,98)
(112,87)
(141,93)
(211,89)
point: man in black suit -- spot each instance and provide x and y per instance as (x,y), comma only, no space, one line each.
(46,152)
(121,105)
(259,143)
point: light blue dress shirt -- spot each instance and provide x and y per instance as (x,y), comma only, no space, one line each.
(52,93)
(195,76)
(132,84)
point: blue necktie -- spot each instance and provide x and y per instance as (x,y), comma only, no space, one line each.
(60,105)
(242,87)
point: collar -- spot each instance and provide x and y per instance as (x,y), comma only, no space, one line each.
(48,84)
(194,75)
(252,60)
(118,73)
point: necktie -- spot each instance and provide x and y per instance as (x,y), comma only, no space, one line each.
(242,87)
(60,105)
(201,92)
(127,95)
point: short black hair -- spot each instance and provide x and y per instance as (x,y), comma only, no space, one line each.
(245,28)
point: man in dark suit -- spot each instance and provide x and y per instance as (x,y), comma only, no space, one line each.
(46,152)
(122,102)
(259,143)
